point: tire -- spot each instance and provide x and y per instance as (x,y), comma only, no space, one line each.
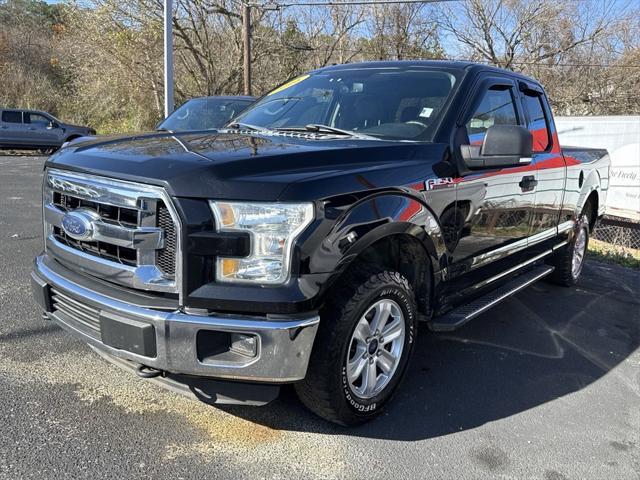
(332,391)
(569,260)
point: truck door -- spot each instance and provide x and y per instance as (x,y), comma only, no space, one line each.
(495,203)
(12,130)
(549,164)
(41,130)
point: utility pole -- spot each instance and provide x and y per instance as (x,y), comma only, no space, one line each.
(168,57)
(246,34)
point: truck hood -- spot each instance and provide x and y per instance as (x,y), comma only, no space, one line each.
(260,167)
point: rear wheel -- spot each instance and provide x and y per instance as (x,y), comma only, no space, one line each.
(363,345)
(569,261)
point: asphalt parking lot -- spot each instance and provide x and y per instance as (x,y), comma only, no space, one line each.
(545,386)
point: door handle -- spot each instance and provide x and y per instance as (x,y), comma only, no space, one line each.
(4,127)
(528,183)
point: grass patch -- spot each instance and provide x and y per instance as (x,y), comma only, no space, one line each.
(606,252)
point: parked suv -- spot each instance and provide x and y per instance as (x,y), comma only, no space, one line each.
(32,129)
(304,243)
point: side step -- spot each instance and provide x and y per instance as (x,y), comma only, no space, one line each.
(461,315)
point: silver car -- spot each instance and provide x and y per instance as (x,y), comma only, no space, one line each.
(32,129)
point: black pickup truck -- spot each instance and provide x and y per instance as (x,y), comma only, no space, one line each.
(305,241)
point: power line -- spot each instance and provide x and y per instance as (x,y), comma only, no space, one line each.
(331,3)
(275,5)
(486,62)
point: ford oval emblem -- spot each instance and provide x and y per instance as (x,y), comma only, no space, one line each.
(78,225)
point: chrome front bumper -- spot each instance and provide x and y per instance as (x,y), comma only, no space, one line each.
(282,351)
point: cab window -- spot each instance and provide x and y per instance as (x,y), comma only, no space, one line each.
(36,119)
(496,108)
(11,117)
(537,122)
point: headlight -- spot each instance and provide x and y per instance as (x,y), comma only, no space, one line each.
(273,228)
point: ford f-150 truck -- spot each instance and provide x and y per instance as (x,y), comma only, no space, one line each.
(303,242)
(34,129)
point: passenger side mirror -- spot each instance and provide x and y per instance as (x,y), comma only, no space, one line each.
(503,146)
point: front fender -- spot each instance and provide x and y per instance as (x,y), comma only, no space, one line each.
(374,218)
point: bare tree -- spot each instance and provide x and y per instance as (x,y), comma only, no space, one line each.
(403,31)
(569,46)
(506,32)
(330,32)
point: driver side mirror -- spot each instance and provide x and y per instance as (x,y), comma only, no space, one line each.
(53,124)
(503,146)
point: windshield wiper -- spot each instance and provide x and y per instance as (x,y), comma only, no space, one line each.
(318,128)
(246,126)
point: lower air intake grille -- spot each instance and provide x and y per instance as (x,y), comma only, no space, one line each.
(81,316)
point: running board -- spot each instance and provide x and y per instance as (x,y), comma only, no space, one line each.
(461,315)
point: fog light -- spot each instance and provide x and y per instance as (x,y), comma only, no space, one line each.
(244,344)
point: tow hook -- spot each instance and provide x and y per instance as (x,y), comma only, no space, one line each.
(148,372)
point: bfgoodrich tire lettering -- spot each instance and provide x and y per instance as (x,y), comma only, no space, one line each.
(328,390)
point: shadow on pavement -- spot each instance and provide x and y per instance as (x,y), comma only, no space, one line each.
(28,332)
(542,344)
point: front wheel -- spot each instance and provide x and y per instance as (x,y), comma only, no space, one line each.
(361,352)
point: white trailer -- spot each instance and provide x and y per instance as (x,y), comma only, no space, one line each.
(620,135)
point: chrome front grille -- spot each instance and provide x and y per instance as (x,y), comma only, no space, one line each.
(166,257)
(123,232)
(124,217)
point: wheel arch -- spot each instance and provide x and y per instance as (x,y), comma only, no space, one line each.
(405,254)
(588,181)
(591,206)
(395,231)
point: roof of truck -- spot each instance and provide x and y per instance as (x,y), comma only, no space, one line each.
(27,110)
(453,64)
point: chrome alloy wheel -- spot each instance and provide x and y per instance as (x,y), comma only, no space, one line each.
(375,348)
(579,249)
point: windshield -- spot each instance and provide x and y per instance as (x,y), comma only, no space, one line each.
(389,103)
(204,114)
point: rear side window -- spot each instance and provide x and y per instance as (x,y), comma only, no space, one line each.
(537,122)
(496,108)
(11,117)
